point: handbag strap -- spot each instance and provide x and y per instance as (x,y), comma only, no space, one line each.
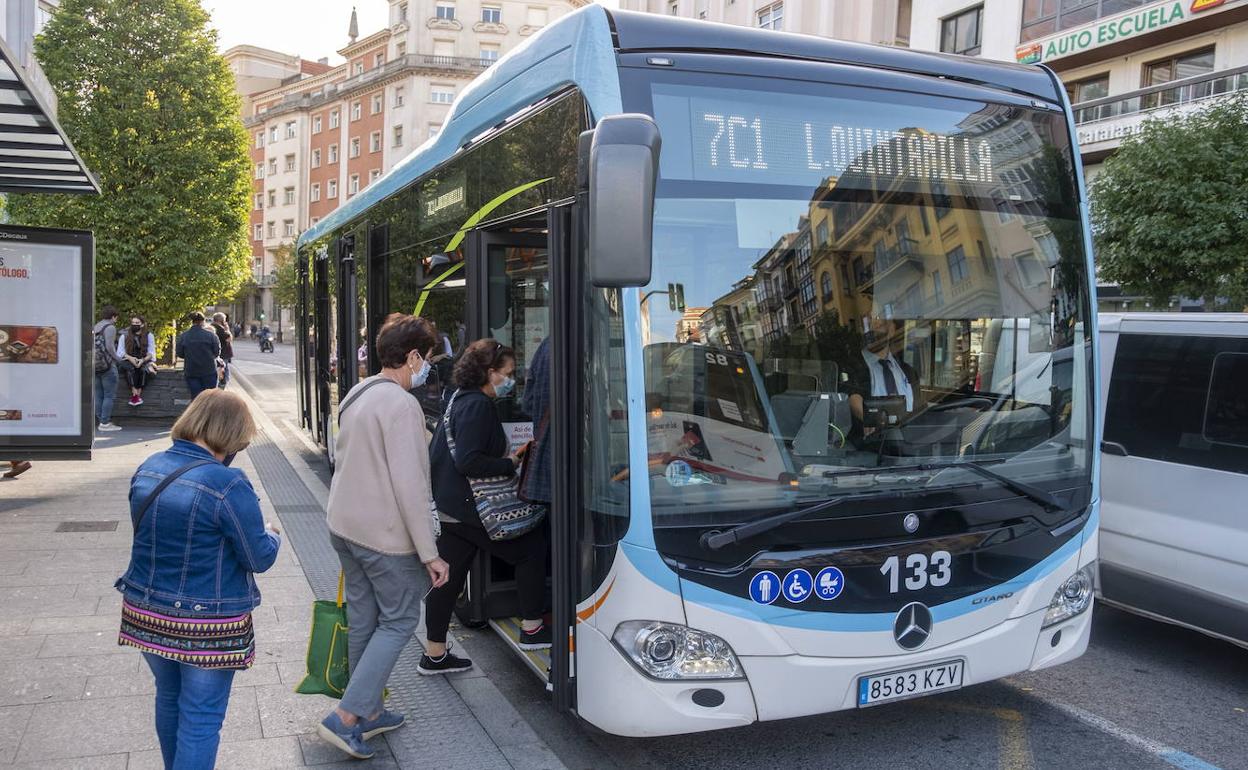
(165,482)
(446,425)
(354,395)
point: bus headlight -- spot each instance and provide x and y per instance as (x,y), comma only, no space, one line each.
(1072,597)
(671,651)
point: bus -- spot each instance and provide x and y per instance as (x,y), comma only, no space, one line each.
(822,343)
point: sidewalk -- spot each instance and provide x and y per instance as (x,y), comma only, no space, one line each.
(70,697)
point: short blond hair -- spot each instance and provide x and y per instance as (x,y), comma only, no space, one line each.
(218,418)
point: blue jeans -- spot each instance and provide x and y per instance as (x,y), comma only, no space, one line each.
(190,709)
(105,391)
(198,385)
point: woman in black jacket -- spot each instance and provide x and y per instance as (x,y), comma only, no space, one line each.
(483,373)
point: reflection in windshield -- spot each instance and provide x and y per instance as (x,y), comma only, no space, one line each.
(886,314)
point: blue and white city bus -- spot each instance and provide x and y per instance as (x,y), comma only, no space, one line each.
(820,317)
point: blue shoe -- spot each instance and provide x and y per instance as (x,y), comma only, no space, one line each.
(347,739)
(384,723)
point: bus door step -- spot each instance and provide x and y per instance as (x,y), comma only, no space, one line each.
(538,661)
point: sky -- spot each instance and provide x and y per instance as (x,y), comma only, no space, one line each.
(308,28)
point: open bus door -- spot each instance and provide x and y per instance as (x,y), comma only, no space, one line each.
(517,274)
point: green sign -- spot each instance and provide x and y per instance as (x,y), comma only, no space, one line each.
(1140,22)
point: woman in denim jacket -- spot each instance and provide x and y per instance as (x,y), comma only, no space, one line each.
(190,588)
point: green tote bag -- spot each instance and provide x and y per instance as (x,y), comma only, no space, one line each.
(327,649)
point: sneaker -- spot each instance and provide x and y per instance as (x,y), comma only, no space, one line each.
(133,401)
(107,427)
(384,723)
(347,739)
(447,664)
(138,401)
(537,639)
(17,469)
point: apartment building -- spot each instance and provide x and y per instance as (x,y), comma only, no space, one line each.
(1123,61)
(865,21)
(320,134)
(20,22)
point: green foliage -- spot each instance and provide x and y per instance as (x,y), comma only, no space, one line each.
(151,107)
(1168,210)
(286,290)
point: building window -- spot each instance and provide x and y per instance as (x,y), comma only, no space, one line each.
(357,109)
(1046,17)
(353,150)
(272,166)
(316,158)
(288,196)
(316,124)
(673,7)
(273,134)
(492,14)
(333,153)
(290,162)
(259,139)
(379,59)
(375,104)
(1088,89)
(398,96)
(315,220)
(258,232)
(374,142)
(257,201)
(334,119)
(771,17)
(272,198)
(353,184)
(961,33)
(374,175)
(445,11)
(288,228)
(331,189)
(271,229)
(402,12)
(400,49)
(357,68)
(290,129)
(938,291)
(315,192)
(825,286)
(259,171)
(536,16)
(398,136)
(958,271)
(1178,67)
(489,54)
(442,94)
(435,129)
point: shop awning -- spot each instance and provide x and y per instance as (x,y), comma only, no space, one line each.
(35,154)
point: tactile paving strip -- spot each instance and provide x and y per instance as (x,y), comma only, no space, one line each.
(441,730)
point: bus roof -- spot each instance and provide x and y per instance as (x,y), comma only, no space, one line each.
(579,50)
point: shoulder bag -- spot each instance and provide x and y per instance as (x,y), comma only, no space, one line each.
(503,514)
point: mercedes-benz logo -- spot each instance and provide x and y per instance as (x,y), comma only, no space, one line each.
(913,626)
(911,522)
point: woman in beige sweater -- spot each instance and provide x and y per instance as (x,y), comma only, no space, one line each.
(383,526)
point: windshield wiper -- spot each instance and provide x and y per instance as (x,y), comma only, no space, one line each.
(1034,494)
(715,540)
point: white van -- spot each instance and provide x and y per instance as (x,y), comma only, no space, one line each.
(1174,473)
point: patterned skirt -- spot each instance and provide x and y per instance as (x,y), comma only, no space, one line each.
(202,642)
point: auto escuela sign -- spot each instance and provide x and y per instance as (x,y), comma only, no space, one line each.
(1145,19)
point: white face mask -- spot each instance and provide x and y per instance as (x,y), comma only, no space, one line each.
(420,375)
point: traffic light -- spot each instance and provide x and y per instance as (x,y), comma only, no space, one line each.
(676,297)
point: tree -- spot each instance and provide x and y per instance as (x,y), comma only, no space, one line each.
(286,289)
(151,107)
(1168,210)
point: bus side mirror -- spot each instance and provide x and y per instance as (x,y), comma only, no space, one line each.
(623,167)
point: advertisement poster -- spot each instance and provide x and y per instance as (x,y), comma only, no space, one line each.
(45,301)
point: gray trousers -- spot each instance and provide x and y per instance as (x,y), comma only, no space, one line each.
(383,595)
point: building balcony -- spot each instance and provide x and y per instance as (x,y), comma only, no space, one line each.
(1102,124)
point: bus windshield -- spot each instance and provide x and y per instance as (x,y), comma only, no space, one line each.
(848,280)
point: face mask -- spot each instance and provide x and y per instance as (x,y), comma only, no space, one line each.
(136,328)
(229,459)
(504,387)
(422,374)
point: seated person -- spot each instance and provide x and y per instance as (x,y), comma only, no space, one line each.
(878,373)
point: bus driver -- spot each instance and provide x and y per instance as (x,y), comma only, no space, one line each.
(878,375)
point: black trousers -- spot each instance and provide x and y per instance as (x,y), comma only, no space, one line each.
(136,376)
(458,545)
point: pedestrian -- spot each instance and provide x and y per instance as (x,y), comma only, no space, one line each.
(17,468)
(384,528)
(483,373)
(137,347)
(200,349)
(106,359)
(188,593)
(253,329)
(226,337)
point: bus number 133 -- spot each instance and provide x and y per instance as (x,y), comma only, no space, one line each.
(917,566)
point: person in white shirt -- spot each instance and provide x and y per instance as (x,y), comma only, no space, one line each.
(879,373)
(136,348)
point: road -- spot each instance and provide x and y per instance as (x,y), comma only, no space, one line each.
(1146,695)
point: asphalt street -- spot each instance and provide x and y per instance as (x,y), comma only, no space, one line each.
(1146,695)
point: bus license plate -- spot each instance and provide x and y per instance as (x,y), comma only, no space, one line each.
(909,683)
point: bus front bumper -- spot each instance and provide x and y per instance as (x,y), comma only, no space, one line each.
(623,701)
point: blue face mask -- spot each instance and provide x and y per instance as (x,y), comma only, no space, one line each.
(505,387)
(419,376)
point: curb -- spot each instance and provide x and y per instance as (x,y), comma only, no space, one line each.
(516,740)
